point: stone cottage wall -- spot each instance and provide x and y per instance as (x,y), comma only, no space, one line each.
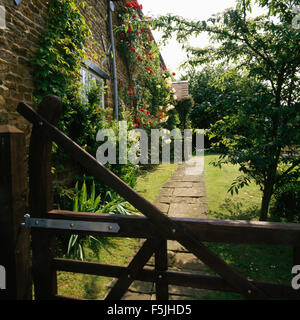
(19,42)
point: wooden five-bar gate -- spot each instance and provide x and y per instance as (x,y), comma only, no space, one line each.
(155,227)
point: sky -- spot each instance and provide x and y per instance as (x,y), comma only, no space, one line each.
(172,54)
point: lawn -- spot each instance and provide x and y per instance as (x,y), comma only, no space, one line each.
(258,262)
(120,251)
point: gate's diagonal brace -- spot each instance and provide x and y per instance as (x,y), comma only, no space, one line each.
(135,266)
(164,224)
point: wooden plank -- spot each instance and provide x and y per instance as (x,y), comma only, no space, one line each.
(40,201)
(296,255)
(208,230)
(161,264)
(15,241)
(133,269)
(164,224)
(184,279)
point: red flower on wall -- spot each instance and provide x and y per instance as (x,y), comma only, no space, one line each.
(129,29)
(174,74)
(136,125)
(142,110)
(122,35)
(149,69)
(137,118)
(132,49)
(150,122)
(163,68)
(139,58)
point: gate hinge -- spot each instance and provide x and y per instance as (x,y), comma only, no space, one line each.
(76,225)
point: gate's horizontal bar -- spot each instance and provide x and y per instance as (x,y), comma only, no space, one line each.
(76,225)
(208,230)
(177,278)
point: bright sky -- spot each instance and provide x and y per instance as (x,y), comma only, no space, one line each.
(172,54)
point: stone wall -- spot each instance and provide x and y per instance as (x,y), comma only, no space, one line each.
(19,42)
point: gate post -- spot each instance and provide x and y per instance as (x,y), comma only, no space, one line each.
(15,273)
(41,200)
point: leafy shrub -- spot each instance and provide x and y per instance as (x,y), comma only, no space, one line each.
(286,203)
(184,108)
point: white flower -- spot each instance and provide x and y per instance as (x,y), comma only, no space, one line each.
(173,90)
(158,86)
(175,97)
(170,107)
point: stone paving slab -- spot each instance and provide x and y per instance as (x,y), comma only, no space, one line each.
(187,192)
(182,196)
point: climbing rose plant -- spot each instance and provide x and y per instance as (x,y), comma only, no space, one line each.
(151,87)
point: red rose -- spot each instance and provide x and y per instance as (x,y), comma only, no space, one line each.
(142,30)
(152,116)
(122,35)
(129,29)
(163,68)
(139,58)
(141,7)
(147,112)
(128,5)
(151,37)
(149,69)
(137,118)
(148,31)
(174,74)
(136,125)
(131,93)
(150,122)
(142,110)
(132,49)
(141,125)
(137,33)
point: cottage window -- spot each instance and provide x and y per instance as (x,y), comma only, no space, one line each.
(90,72)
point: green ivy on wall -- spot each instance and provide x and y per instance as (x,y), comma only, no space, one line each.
(57,66)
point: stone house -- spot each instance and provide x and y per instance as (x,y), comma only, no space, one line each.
(22,23)
(21,26)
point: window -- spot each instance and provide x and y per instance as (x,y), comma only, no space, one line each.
(86,77)
(90,72)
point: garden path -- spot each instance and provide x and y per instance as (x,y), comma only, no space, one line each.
(182,196)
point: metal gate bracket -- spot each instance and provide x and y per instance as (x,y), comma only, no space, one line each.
(76,225)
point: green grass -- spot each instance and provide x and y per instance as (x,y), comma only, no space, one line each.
(121,250)
(149,183)
(258,262)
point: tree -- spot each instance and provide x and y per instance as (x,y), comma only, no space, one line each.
(262,136)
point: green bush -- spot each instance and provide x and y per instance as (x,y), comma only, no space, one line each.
(286,203)
(184,108)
